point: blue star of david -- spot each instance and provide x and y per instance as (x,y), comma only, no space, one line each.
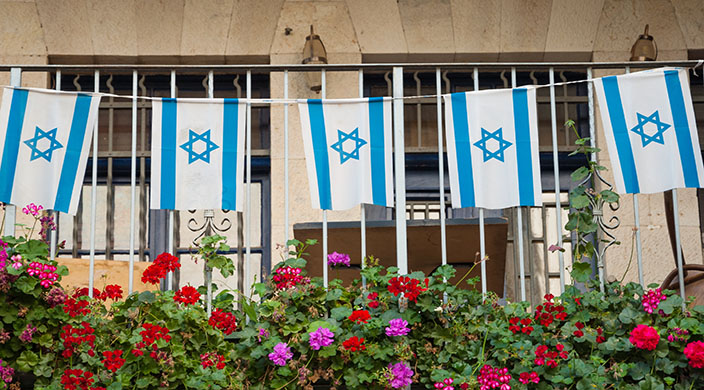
(654,118)
(38,135)
(352,136)
(194,137)
(498,136)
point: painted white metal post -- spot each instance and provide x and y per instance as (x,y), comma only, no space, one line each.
(54,214)
(286,215)
(400,166)
(133,181)
(482,234)
(441,167)
(678,242)
(519,223)
(556,173)
(248,206)
(362,213)
(93,195)
(323,86)
(11,210)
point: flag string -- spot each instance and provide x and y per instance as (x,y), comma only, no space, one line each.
(342,100)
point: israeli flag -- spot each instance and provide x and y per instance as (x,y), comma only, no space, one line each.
(650,131)
(45,139)
(197,154)
(492,148)
(347,145)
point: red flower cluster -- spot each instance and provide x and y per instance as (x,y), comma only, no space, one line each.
(578,332)
(409,287)
(187,295)
(373,303)
(162,265)
(75,379)
(223,320)
(83,292)
(113,360)
(72,338)
(74,307)
(493,378)
(287,277)
(543,356)
(549,312)
(644,337)
(212,359)
(112,291)
(359,316)
(150,335)
(527,377)
(694,351)
(354,344)
(599,335)
(520,325)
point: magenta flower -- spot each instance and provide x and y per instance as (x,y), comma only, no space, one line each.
(263,334)
(400,376)
(32,209)
(322,337)
(282,352)
(651,299)
(337,259)
(397,327)
(28,333)
(6,373)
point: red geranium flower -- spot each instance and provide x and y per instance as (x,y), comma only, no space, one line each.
(354,344)
(112,291)
(162,265)
(113,360)
(77,379)
(223,320)
(578,332)
(644,337)
(694,351)
(187,295)
(409,287)
(599,335)
(359,316)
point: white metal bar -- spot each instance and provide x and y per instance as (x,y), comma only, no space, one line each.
(93,195)
(441,167)
(286,194)
(323,82)
(362,214)
(400,164)
(482,235)
(680,271)
(636,217)
(133,181)
(170,233)
(519,223)
(54,214)
(556,173)
(208,269)
(248,205)
(11,210)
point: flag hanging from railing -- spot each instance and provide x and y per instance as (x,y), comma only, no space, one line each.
(650,131)
(348,152)
(45,140)
(197,154)
(492,148)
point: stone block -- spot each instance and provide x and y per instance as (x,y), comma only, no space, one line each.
(690,15)
(67,27)
(621,23)
(105,272)
(205,27)
(426,26)
(524,25)
(331,20)
(252,27)
(573,26)
(378,26)
(476,26)
(159,27)
(21,29)
(113,27)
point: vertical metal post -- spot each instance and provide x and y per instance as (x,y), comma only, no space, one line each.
(680,271)
(248,205)
(286,161)
(11,210)
(170,233)
(209,214)
(556,173)
(639,242)
(482,234)
(441,167)
(362,214)
(55,214)
(323,82)
(133,180)
(93,195)
(519,223)
(400,166)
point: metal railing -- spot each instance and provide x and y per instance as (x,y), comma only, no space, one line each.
(394,76)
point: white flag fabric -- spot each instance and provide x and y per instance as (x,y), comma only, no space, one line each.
(44,143)
(650,131)
(197,154)
(492,148)
(348,152)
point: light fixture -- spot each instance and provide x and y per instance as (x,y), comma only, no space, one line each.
(644,49)
(314,53)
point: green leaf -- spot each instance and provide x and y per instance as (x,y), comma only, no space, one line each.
(27,361)
(581,271)
(579,202)
(340,313)
(147,297)
(115,386)
(670,304)
(609,196)
(249,309)
(580,173)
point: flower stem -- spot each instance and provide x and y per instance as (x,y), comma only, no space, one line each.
(466,274)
